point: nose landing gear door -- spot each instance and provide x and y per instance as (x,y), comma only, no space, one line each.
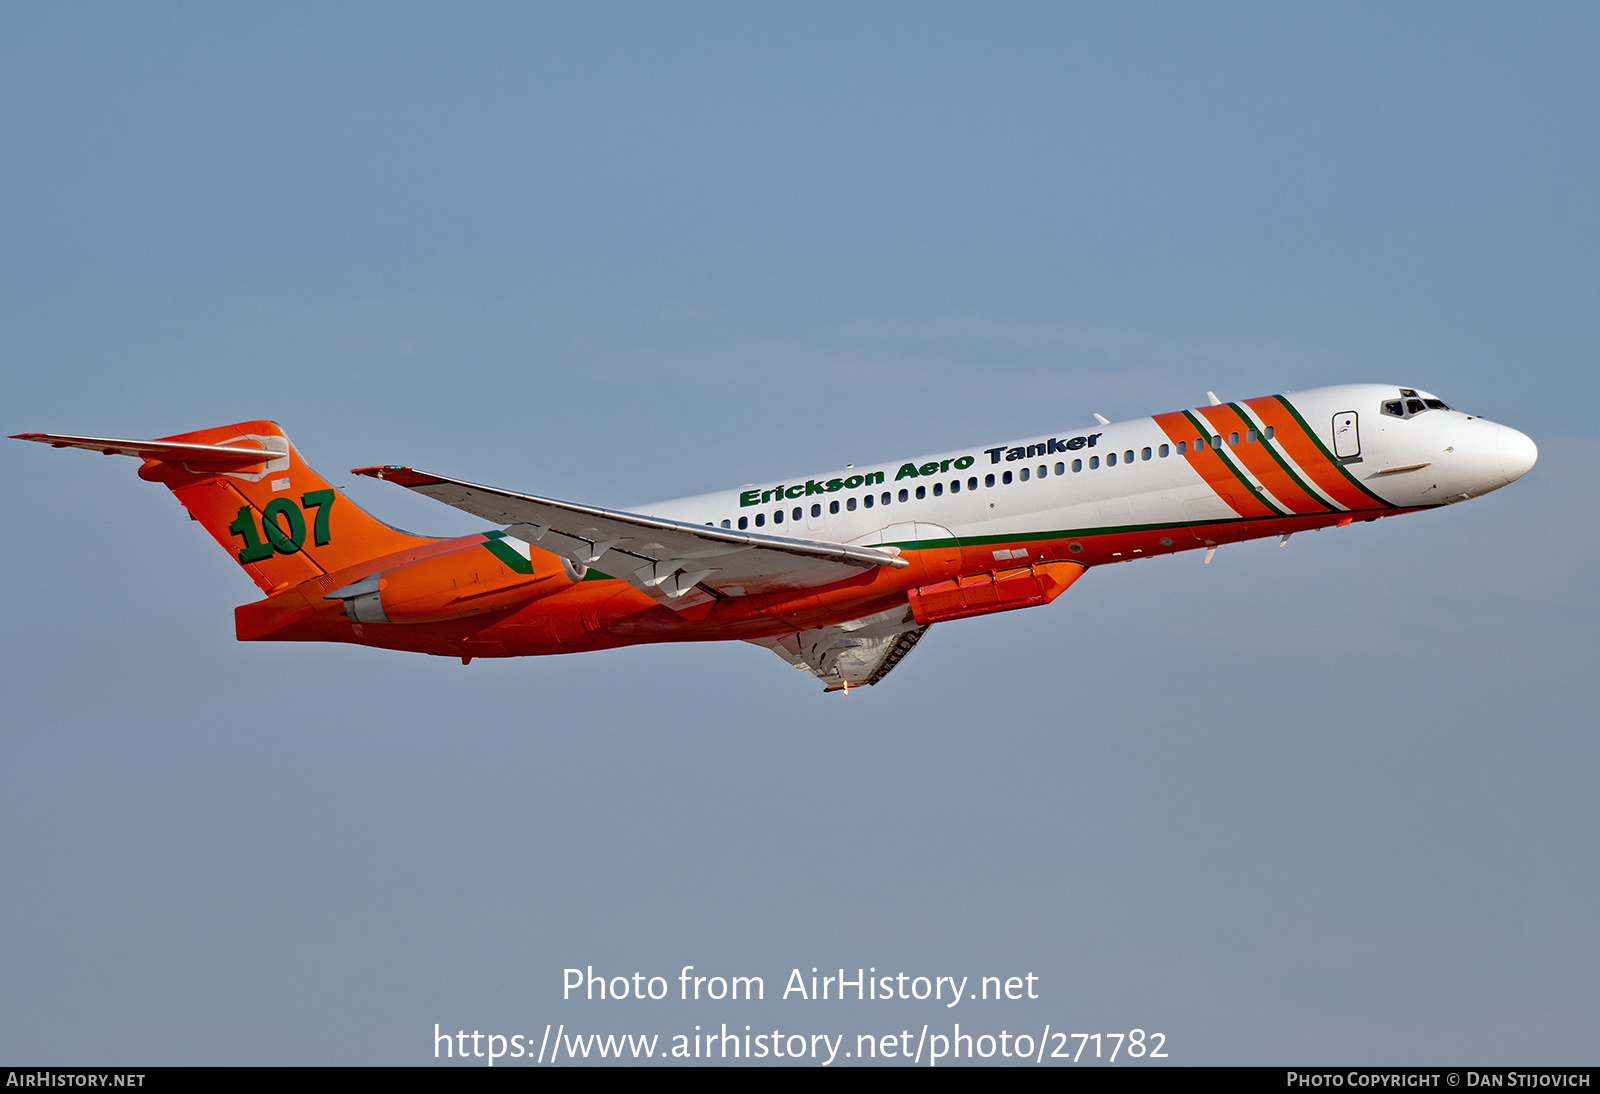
(1346,437)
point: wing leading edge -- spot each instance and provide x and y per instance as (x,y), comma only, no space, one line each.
(678,564)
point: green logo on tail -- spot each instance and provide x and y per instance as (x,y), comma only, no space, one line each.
(284,526)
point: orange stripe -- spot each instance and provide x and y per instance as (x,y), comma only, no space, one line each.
(1222,481)
(1259,462)
(1310,455)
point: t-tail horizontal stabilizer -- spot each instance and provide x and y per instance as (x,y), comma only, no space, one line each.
(227,455)
(247,486)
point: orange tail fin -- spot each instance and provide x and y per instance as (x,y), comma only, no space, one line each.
(281,520)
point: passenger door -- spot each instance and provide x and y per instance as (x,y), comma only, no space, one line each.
(1346,437)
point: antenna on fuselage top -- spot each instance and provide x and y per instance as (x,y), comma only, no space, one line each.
(1212,395)
(1101,420)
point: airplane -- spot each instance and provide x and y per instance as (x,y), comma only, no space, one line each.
(840,573)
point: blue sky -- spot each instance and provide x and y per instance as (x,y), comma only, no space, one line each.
(1322,804)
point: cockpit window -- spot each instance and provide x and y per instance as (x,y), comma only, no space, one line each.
(1412,403)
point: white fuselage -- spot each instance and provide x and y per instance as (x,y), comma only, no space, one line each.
(1128,475)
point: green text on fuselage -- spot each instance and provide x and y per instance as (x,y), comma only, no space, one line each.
(852,482)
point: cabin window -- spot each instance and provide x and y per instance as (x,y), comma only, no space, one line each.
(744,522)
(1165,451)
(988,480)
(938,489)
(955,486)
(1023,474)
(1111,460)
(727,524)
(1127,457)
(777,518)
(867,501)
(905,495)
(922,492)
(1233,439)
(761,518)
(1061,469)
(1145,455)
(1250,436)
(1006,478)
(1183,446)
(972,483)
(1094,462)
(1077,465)
(1269,433)
(1199,444)
(1216,441)
(886,497)
(798,511)
(1044,472)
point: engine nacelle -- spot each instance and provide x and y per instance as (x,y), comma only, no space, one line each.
(493,574)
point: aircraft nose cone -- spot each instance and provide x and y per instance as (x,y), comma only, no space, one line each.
(1518,454)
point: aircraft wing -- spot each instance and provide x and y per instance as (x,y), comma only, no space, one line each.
(862,651)
(677,563)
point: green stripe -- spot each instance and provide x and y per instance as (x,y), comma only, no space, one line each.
(506,553)
(1091,533)
(1261,438)
(1063,533)
(1226,462)
(1331,457)
(513,558)
(1058,534)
